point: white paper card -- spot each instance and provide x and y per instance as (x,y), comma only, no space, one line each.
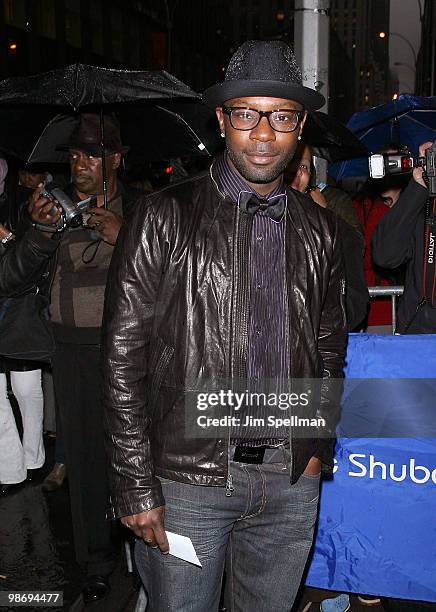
(182,547)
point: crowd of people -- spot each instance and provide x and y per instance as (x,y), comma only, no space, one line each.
(246,273)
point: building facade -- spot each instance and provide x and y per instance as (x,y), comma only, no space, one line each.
(357,25)
(180,36)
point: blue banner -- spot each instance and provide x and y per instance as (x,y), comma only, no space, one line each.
(377,524)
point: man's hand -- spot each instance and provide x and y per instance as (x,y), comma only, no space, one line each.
(106,223)
(418,172)
(150,527)
(313,467)
(43,210)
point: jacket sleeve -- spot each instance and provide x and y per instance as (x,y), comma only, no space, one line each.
(392,241)
(332,340)
(131,294)
(23,262)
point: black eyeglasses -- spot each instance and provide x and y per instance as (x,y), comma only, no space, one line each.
(244,119)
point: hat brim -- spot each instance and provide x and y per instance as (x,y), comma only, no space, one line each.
(221,92)
(92,149)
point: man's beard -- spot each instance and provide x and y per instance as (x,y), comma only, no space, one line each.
(260,174)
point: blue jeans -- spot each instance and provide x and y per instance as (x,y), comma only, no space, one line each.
(261,534)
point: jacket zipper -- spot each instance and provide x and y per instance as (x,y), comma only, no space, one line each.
(288,343)
(229,481)
(239,317)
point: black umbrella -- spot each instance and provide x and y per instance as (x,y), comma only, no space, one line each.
(29,109)
(330,139)
(79,85)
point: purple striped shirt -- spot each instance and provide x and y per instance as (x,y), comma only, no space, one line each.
(267,365)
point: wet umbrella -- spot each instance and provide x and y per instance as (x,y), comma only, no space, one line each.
(79,85)
(330,139)
(30,108)
(408,121)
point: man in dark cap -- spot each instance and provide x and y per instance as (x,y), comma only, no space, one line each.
(78,280)
(224,282)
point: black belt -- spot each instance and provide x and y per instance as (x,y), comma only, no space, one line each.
(253,454)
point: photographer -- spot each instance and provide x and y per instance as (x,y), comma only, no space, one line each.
(399,239)
(78,281)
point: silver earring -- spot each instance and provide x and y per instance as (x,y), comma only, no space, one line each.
(299,137)
(223,135)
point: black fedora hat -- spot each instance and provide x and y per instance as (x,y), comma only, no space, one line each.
(263,68)
(86,136)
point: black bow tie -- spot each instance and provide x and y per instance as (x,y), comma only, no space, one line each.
(273,207)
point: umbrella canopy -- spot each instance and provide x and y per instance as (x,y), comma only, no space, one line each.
(79,85)
(29,106)
(330,139)
(409,121)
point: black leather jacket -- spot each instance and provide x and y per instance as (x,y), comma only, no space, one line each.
(177,304)
(23,264)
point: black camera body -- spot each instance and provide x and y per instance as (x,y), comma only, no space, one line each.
(72,212)
(403,163)
(429,165)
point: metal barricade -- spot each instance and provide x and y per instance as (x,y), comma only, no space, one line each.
(392,292)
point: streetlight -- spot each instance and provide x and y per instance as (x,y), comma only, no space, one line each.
(406,40)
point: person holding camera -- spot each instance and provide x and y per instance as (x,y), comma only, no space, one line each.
(78,279)
(403,237)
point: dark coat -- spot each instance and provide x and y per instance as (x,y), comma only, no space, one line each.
(399,239)
(23,264)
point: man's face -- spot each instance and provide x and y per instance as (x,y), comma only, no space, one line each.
(261,154)
(86,171)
